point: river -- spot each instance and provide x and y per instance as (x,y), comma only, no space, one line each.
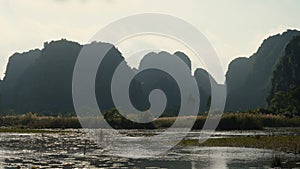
(73,149)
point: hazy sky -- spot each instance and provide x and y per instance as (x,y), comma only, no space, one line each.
(234,27)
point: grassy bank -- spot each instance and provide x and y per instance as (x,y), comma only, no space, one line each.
(235,121)
(33,121)
(229,121)
(290,144)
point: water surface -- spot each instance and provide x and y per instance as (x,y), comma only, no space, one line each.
(66,150)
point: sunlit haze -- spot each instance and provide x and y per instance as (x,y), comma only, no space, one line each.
(235,28)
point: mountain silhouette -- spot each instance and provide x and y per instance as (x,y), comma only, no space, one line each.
(41,80)
(18,63)
(249,79)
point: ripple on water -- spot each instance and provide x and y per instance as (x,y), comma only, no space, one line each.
(59,150)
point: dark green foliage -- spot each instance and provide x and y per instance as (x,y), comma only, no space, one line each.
(248,79)
(284,96)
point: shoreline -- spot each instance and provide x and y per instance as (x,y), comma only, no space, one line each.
(289,143)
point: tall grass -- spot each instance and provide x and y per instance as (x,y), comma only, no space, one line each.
(229,121)
(235,121)
(31,120)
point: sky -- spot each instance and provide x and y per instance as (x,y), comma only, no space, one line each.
(235,28)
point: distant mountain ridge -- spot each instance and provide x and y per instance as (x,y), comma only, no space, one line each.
(41,80)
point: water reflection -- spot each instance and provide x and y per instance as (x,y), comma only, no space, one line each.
(66,149)
(212,163)
(219,163)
